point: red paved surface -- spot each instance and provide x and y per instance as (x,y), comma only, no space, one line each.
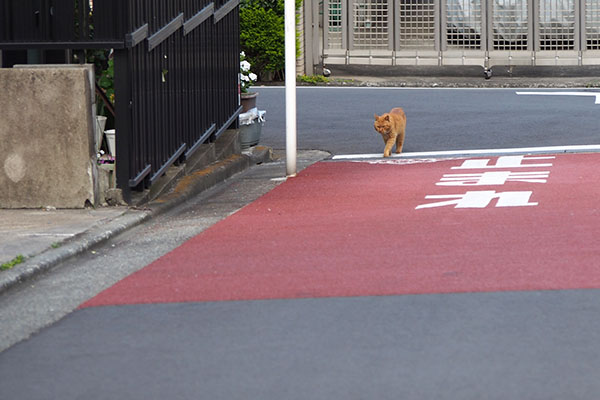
(351,229)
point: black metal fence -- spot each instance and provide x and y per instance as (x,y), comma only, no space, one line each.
(176,69)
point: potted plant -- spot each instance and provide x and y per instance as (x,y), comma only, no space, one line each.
(251,120)
(247,78)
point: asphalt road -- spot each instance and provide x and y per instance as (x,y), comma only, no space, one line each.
(297,325)
(331,286)
(340,120)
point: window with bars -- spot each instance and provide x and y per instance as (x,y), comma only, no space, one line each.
(510,24)
(416,26)
(592,24)
(334,24)
(463,27)
(370,23)
(557,24)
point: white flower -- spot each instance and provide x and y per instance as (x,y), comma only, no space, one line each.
(247,78)
(245,66)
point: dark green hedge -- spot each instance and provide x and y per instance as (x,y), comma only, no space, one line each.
(262,36)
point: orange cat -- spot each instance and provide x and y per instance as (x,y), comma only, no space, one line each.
(391,126)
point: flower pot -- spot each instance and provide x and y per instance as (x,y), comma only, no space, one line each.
(248,101)
(250,134)
(110,140)
(251,124)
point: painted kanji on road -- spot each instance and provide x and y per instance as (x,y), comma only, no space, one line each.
(483,198)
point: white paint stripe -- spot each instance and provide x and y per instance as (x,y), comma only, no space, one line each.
(46,234)
(391,88)
(458,153)
(592,94)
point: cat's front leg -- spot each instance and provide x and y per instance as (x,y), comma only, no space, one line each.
(400,142)
(389,143)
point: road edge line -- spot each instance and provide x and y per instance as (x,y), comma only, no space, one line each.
(477,152)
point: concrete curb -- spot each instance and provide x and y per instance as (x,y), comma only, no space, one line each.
(464,76)
(185,188)
(200,180)
(457,77)
(459,82)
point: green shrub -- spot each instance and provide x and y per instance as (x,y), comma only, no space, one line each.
(262,35)
(312,79)
(8,265)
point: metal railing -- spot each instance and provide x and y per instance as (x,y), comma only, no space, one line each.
(461,32)
(176,70)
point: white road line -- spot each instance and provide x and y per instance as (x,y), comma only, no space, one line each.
(459,153)
(591,94)
(45,234)
(390,88)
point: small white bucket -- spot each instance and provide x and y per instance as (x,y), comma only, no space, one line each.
(110,140)
(100,124)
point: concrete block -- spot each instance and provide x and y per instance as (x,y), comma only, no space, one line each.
(92,81)
(47,153)
(88,67)
(106,181)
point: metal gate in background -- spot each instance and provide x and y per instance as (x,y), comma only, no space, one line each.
(461,32)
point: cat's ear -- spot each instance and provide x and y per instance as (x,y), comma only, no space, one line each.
(387,118)
(376,116)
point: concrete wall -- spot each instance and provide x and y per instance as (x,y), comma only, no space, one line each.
(47,155)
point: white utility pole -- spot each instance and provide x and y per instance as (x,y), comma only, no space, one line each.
(290,87)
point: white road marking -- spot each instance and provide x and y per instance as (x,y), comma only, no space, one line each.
(591,94)
(466,153)
(45,234)
(391,88)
